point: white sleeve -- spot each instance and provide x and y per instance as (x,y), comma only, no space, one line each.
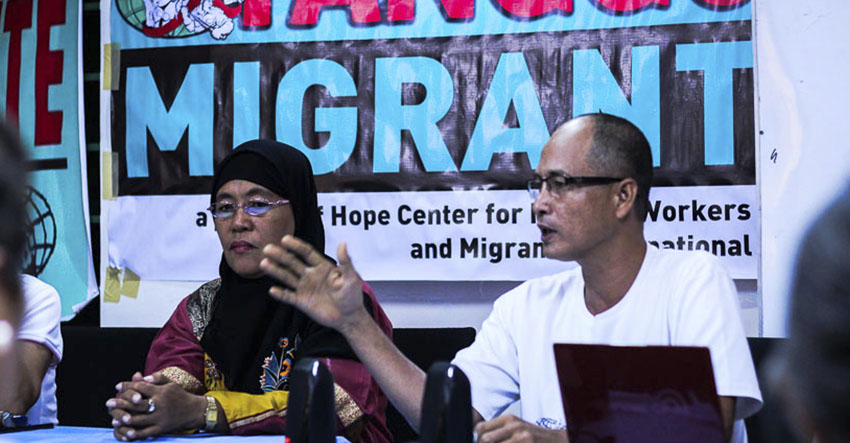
(491,365)
(42,313)
(708,314)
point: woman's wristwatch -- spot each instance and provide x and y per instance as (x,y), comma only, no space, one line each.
(210,414)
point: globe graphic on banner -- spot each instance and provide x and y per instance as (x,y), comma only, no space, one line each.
(41,233)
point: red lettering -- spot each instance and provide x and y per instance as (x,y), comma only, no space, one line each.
(725,3)
(458,9)
(256,13)
(629,5)
(48,71)
(401,10)
(535,8)
(18,18)
(453,10)
(306,12)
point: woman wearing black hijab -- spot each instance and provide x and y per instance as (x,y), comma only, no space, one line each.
(221,362)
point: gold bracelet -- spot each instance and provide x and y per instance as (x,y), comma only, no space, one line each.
(210,414)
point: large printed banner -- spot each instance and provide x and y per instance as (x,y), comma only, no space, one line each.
(423,121)
(41,96)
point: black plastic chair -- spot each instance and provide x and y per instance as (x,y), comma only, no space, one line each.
(311,417)
(95,359)
(770,424)
(424,347)
(446,406)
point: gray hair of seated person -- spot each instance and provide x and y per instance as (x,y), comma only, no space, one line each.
(13,218)
(817,357)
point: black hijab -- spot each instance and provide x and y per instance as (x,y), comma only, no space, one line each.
(250,335)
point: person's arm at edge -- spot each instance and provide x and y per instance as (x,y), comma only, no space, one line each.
(32,363)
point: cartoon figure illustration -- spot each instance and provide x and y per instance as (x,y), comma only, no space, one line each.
(181,18)
(208,16)
(160,12)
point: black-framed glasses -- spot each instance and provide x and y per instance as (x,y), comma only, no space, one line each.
(254,208)
(558,183)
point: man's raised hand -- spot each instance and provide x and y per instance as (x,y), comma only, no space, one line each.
(332,295)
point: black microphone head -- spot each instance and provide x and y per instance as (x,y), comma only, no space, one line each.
(311,415)
(446,406)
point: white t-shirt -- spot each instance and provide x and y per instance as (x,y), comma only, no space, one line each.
(40,324)
(678,298)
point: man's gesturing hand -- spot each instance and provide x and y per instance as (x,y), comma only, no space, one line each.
(331,295)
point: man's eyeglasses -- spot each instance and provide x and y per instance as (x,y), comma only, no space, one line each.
(254,208)
(557,184)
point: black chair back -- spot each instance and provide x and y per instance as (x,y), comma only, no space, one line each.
(311,417)
(769,424)
(446,406)
(424,347)
(95,359)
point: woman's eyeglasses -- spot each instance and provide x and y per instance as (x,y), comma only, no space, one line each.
(254,208)
(557,184)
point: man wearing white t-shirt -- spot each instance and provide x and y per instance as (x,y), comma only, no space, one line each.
(591,190)
(39,347)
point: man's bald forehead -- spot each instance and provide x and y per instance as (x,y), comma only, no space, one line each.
(573,126)
(572,133)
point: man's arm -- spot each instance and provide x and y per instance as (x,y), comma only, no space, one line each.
(401,380)
(708,314)
(32,363)
(727,413)
(332,295)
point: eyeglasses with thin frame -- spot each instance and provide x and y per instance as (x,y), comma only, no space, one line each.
(558,183)
(254,208)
